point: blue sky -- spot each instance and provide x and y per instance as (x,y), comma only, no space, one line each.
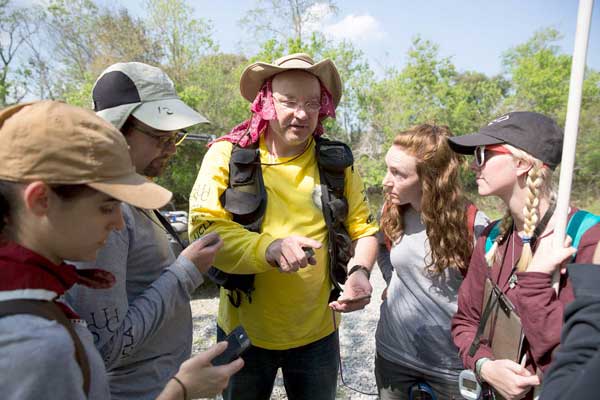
(473,33)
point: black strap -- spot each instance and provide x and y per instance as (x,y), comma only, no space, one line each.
(51,311)
(539,229)
(489,306)
(167,225)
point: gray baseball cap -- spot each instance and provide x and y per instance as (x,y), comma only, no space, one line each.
(144,91)
(531,132)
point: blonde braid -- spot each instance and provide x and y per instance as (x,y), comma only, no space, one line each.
(505,225)
(535,179)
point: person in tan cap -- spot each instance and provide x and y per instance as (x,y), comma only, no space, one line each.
(63,174)
(295,223)
(142,326)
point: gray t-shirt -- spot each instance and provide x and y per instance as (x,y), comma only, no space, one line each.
(414,324)
(142,326)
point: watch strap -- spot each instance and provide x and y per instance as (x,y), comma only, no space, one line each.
(359,267)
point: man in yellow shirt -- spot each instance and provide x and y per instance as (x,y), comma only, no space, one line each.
(288,314)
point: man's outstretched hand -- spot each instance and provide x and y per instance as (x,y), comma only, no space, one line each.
(287,254)
(356,295)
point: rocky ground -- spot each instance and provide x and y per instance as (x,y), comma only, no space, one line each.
(357,340)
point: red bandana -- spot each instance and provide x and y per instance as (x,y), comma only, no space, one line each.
(263,111)
(21,268)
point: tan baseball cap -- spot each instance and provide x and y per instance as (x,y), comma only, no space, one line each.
(62,144)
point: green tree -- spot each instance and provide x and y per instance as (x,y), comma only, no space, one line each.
(286,19)
(17,26)
(215,94)
(85,39)
(427,89)
(417,93)
(185,39)
(540,77)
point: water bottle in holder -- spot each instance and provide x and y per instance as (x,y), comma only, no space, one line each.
(421,391)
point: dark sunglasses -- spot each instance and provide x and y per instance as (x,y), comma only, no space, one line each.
(481,150)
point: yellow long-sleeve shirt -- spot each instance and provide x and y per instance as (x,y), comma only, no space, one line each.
(287,310)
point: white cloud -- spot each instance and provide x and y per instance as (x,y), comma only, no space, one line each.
(356,27)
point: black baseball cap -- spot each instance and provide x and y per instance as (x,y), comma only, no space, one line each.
(531,132)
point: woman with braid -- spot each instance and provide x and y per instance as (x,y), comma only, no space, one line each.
(515,156)
(429,227)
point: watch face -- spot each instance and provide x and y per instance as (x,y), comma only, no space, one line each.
(470,385)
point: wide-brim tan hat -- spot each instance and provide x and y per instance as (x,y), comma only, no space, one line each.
(255,74)
(62,144)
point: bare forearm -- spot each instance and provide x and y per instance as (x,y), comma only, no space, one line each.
(365,252)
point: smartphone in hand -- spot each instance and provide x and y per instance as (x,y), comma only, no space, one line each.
(308,251)
(237,342)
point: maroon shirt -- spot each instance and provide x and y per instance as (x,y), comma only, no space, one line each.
(538,306)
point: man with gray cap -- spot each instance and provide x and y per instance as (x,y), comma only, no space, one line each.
(142,326)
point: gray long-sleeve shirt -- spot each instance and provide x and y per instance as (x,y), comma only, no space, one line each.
(142,326)
(414,324)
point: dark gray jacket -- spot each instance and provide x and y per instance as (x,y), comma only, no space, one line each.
(575,370)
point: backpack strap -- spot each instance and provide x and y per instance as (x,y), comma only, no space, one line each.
(333,158)
(471,213)
(52,312)
(167,225)
(246,199)
(579,223)
(494,232)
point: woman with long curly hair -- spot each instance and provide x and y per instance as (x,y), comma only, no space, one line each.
(515,156)
(425,221)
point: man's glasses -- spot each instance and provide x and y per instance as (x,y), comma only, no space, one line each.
(309,106)
(175,138)
(480,152)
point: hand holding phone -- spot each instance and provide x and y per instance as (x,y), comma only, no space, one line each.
(237,342)
(308,251)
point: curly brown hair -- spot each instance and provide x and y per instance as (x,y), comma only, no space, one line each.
(443,205)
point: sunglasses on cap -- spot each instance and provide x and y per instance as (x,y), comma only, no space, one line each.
(481,150)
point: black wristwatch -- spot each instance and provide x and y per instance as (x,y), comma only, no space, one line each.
(359,267)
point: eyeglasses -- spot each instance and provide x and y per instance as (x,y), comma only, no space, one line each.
(481,150)
(309,106)
(175,138)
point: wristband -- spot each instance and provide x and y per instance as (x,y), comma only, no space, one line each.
(359,267)
(185,393)
(478,366)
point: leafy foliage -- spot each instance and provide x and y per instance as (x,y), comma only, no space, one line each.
(58,50)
